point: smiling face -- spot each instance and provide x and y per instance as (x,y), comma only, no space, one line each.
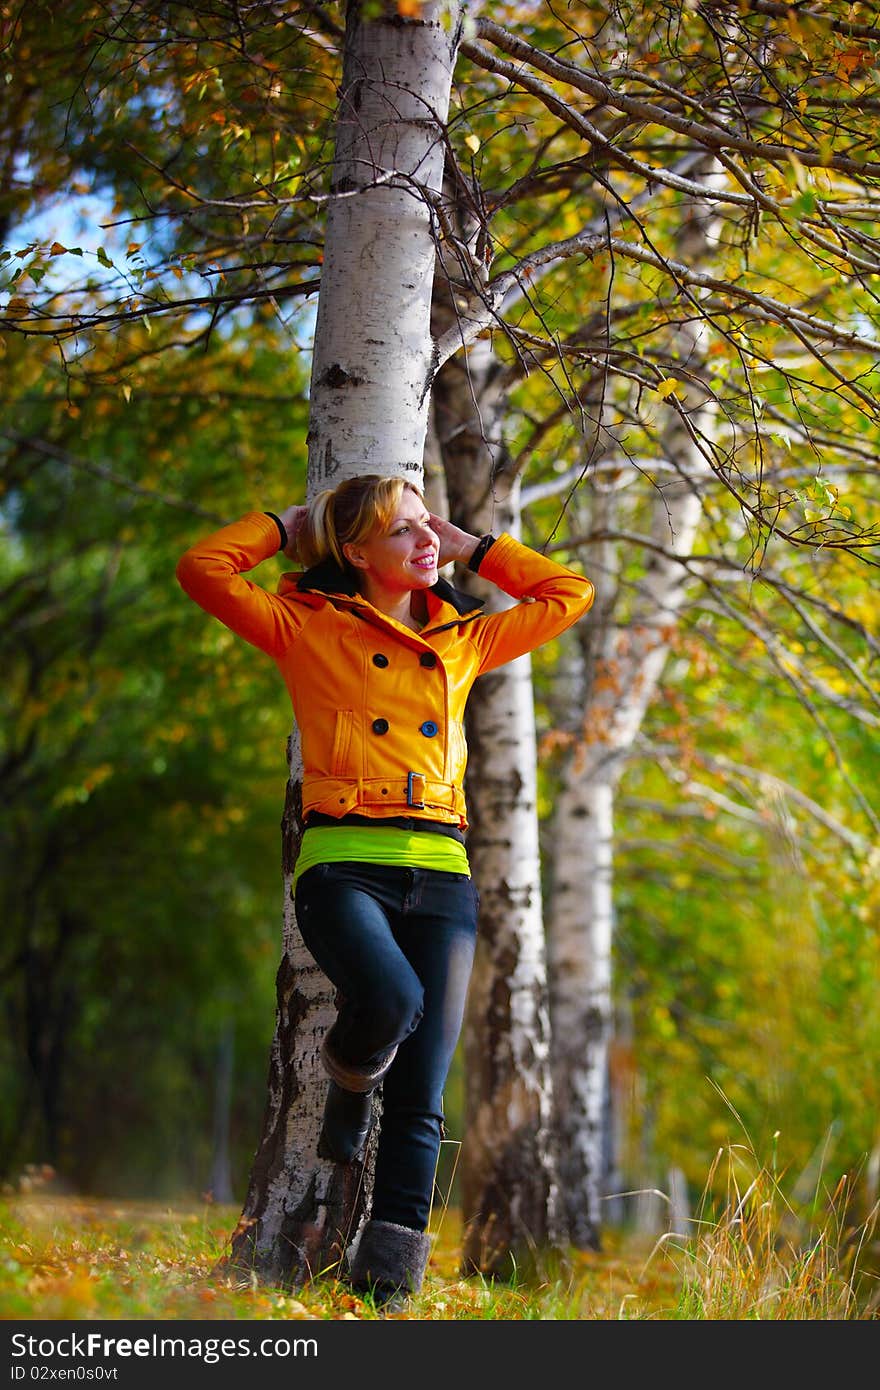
(400,557)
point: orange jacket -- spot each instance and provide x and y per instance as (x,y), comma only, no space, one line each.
(379,707)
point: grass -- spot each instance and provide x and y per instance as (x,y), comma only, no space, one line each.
(72,1258)
(756,1255)
(749,1254)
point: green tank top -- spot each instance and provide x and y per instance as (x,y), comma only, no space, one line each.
(381,844)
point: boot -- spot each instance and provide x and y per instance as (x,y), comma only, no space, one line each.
(389,1263)
(348,1119)
(348,1109)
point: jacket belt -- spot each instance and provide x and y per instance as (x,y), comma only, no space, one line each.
(449,828)
(338,795)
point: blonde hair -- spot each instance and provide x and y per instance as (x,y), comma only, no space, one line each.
(347,514)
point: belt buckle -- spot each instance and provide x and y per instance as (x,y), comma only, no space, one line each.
(415,788)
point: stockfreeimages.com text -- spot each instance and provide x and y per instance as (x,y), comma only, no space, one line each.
(211,1350)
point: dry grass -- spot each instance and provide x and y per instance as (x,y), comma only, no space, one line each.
(750,1254)
(755,1254)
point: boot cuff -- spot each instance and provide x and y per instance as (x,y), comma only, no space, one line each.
(354,1078)
(390,1257)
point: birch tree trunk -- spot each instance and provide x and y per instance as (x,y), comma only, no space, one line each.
(373,363)
(220,1181)
(509,1192)
(619,671)
(371,379)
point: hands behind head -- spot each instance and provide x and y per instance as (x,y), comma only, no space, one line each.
(292,519)
(455,544)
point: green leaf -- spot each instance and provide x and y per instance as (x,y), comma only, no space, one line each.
(804,205)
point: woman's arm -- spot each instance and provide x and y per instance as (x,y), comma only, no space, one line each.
(210,572)
(553,598)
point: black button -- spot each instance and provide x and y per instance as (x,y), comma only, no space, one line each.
(427,659)
(429,728)
(380,659)
(380,726)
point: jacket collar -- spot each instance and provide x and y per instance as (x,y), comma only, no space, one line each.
(329,578)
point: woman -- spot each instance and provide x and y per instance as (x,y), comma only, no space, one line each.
(379,654)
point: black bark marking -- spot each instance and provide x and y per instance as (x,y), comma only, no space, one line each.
(431,372)
(336,377)
(291,825)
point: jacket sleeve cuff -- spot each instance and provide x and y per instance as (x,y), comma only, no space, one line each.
(281,530)
(479,555)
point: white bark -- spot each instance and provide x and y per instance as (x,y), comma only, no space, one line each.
(678,1219)
(581,917)
(617,690)
(510,1199)
(511,1203)
(374,356)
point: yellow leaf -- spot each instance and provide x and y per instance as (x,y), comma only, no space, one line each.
(800,173)
(668,387)
(472,143)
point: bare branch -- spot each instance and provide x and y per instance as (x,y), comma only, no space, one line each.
(711,137)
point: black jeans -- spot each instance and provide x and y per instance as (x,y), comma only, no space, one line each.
(398,944)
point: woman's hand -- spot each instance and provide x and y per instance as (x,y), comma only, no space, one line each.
(292,520)
(455,544)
